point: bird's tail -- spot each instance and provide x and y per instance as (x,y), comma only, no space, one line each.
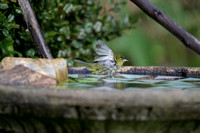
(79,61)
(91,66)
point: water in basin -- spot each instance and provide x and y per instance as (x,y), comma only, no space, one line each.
(129,82)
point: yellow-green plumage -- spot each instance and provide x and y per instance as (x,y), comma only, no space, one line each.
(106,62)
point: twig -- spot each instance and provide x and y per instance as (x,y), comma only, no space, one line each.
(34,29)
(188,40)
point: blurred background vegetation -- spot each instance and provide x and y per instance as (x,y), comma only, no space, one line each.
(71,28)
(150,44)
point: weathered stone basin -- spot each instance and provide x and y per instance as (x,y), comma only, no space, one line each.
(45,110)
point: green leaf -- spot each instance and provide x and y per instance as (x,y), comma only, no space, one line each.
(30,53)
(3,6)
(5,1)
(62,53)
(97,27)
(82,34)
(5,32)
(65,31)
(18,11)
(68,8)
(12,53)
(2,19)
(7,45)
(14,1)
(88,27)
(11,17)
(12,26)
(52,33)
(76,44)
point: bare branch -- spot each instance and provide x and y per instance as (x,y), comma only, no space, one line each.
(34,29)
(186,38)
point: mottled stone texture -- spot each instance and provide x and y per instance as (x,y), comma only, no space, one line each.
(21,75)
(49,110)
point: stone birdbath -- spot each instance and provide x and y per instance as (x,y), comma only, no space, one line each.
(41,109)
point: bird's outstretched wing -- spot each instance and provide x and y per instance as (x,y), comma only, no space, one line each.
(104,52)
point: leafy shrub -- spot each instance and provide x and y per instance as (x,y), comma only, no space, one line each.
(69,26)
(8,27)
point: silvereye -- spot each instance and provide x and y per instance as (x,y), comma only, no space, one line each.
(106,62)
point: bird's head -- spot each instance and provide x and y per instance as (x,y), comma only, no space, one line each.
(120,60)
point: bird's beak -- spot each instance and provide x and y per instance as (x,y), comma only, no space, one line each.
(125,60)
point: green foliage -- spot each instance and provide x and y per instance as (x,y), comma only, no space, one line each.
(8,28)
(70,27)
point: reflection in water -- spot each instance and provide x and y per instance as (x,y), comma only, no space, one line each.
(127,82)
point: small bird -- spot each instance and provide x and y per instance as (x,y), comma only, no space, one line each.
(106,63)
